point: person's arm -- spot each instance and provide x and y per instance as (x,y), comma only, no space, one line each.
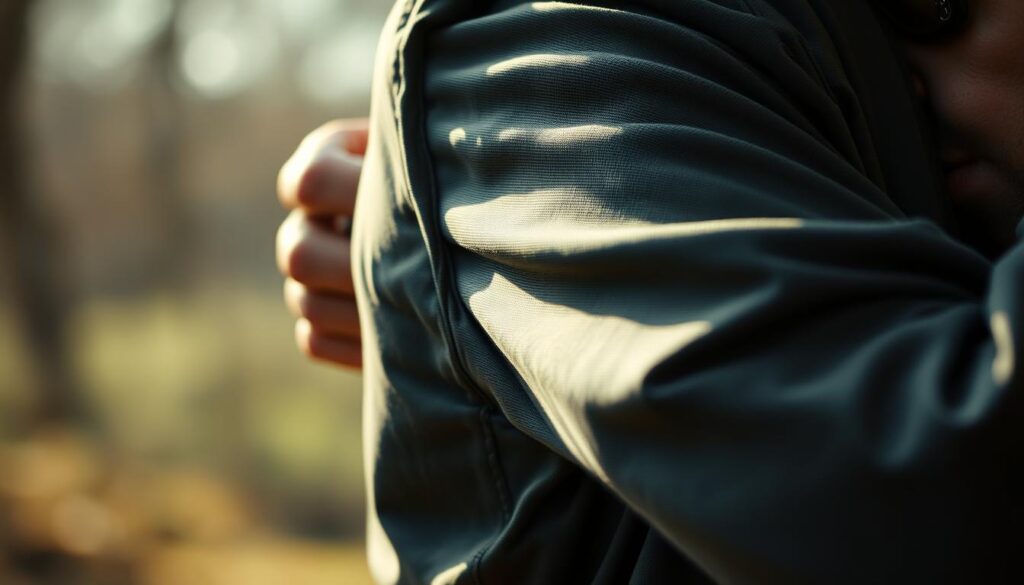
(685,281)
(318,184)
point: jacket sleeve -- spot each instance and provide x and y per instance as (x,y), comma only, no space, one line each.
(665,228)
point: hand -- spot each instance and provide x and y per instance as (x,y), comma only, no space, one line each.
(318,183)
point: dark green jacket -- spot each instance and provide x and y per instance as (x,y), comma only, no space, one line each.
(663,292)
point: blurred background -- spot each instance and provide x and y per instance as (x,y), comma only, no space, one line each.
(157,423)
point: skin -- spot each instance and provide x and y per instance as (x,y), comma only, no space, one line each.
(972,83)
(318,185)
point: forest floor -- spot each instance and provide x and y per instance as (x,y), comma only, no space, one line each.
(213,453)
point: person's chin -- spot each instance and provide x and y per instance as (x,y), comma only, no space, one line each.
(975,180)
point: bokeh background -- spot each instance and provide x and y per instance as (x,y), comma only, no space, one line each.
(157,423)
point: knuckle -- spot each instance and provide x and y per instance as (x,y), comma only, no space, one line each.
(310,181)
(314,180)
(309,307)
(334,132)
(299,261)
(302,337)
(318,346)
(289,234)
(294,291)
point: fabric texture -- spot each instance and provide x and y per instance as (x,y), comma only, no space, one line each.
(665,292)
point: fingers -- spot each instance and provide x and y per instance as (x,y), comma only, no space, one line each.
(330,314)
(314,255)
(320,182)
(322,176)
(357,134)
(349,133)
(328,325)
(336,350)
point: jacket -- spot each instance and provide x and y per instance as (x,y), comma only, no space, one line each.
(665,291)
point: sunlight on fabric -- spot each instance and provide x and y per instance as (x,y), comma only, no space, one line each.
(552,6)
(538,60)
(560,136)
(456,136)
(533,221)
(581,223)
(1003,364)
(562,353)
(381,555)
(450,576)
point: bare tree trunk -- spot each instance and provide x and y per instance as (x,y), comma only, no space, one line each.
(164,153)
(26,240)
